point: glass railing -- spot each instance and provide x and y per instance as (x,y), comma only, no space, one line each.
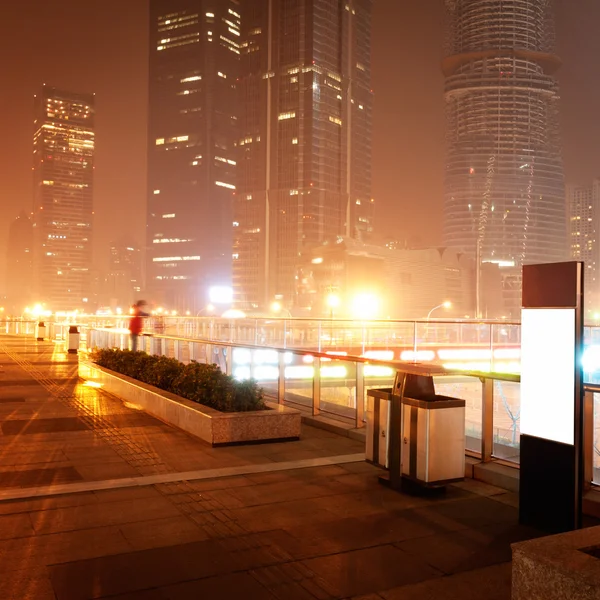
(334,384)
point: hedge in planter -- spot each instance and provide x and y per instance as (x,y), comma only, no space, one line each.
(205,384)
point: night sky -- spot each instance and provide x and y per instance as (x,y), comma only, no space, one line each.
(101,46)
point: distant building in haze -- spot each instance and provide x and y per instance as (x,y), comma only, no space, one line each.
(504,188)
(63,153)
(193,133)
(124,280)
(377,282)
(304,171)
(583,203)
(19,264)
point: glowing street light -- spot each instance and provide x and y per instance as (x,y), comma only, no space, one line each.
(446,304)
(333,301)
(365,306)
(276,307)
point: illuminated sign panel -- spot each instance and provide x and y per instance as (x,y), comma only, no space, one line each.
(548,374)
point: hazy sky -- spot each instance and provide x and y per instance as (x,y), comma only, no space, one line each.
(101,46)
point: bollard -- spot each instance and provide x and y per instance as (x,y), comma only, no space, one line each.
(41,331)
(73,345)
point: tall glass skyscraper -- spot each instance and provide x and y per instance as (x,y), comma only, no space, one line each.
(304,173)
(63,167)
(504,188)
(193,134)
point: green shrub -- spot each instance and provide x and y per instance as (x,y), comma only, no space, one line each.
(201,383)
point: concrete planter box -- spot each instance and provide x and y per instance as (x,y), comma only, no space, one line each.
(278,423)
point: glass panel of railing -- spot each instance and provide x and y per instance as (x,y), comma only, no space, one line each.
(507,413)
(299,379)
(468,389)
(596,477)
(262,365)
(338,388)
(302,334)
(377,376)
(506,348)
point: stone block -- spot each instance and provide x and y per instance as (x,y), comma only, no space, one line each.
(558,567)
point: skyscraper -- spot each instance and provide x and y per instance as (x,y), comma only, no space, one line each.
(63,153)
(124,280)
(504,189)
(193,131)
(304,172)
(583,202)
(19,257)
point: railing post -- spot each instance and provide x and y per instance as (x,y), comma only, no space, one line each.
(281,380)
(491,347)
(415,341)
(317,386)
(588,440)
(487,419)
(360,395)
(319,334)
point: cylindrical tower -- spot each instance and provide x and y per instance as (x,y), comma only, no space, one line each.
(504,187)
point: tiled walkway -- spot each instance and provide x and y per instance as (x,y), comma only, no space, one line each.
(142,511)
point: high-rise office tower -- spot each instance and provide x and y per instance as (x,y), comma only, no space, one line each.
(124,280)
(504,189)
(19,257)
(583,202)
(193,132)
(63,152)
(304,172)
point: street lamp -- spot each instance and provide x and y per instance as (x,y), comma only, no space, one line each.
(446,304)
(208,308)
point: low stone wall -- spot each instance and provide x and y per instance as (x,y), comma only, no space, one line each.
(215,427)
(558,567)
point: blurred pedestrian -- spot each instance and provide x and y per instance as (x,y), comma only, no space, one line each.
(136,323)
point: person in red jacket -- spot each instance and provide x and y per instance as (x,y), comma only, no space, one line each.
(136,323)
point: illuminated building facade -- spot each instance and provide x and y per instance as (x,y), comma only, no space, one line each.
(305,138)
(193,132)
(583,203)
(504,188)
(63,152)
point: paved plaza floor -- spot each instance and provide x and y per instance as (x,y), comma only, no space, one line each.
(100,500)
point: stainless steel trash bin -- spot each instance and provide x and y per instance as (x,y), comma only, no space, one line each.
(378,425)
(415,433)
(433,440)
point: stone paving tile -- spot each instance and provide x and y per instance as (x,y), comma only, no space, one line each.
(39,477)
(177,530)
(46,503)
(15,526)
(240,586)
(293,580)
(469,549)
(99,515)
(282,515)
(491,583)
(29,584)
(369,570)
(37,426)
(42,550)
(342,535)
(142,570)
(109,470)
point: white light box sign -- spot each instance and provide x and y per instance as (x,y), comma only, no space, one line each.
(548,373)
